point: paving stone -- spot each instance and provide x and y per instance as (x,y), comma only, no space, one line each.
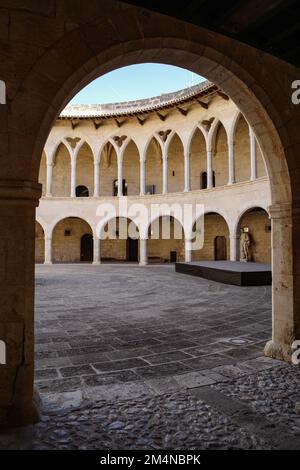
(119,365)
(76,371)
(167,357)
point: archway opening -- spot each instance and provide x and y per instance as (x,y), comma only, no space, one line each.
(67,240)
(85,171)
(198,161)
(108,171)
(153,166)
(216,239)
(120,241)
(220,156)
(165,241)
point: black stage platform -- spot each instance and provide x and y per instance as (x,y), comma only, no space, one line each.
(229,272)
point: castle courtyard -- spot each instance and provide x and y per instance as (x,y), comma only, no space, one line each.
(131,357)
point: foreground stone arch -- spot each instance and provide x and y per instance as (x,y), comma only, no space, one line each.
(45,79)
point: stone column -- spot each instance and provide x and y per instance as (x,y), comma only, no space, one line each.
(234,247)
(73,176)
(143,243)
(286,280)
(18,402)
(253,155)
(209,169)
(142,177)
(188,250)
(48,250)
(231,166)
(120,176)
(187,178)
(49,179)
(97,251)
(97,179)
(165,173)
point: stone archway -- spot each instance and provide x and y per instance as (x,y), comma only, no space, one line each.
(49,75)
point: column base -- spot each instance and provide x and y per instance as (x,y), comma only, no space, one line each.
(96,263)
(143,263)
(280,351)
(48,263)
(21,415)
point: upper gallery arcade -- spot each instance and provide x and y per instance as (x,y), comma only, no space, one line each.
(193,144)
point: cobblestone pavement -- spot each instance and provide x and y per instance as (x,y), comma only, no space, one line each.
(146,358)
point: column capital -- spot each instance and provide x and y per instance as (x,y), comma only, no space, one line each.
(20,192)
(281,211)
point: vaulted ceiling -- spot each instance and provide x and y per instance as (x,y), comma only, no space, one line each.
(269,25)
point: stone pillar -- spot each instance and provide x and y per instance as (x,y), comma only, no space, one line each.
(97,179)
(253,155)
(49,179)
(187,178)
(209,169)
(188,250)
(48,250)
(97,251)
(143,252)
(231,166)
(73,176)
(286,280)
(18,402)
(120,176)
(142,177)
(234,247)
(165,173)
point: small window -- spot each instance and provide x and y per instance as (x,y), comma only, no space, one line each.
(82,191)
(67,233)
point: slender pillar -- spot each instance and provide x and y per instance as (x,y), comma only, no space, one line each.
(48,250)
(97,179)
(120,176)
(18,201)
(253,156)
(234,245)
(165,173)
(143,252)
(73,177)
(142,177)
(188,250)
(209,169)
(97,251)
(49,179)
(231,166)
(187,178)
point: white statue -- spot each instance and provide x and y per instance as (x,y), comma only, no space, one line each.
(245,242)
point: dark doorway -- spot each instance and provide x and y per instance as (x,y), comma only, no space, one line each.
(115,188)
(173,256)
(132,249)
(203,180)
(220,248)
(86,248)
(82,191)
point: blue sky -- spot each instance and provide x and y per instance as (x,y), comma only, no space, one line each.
(136,82)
